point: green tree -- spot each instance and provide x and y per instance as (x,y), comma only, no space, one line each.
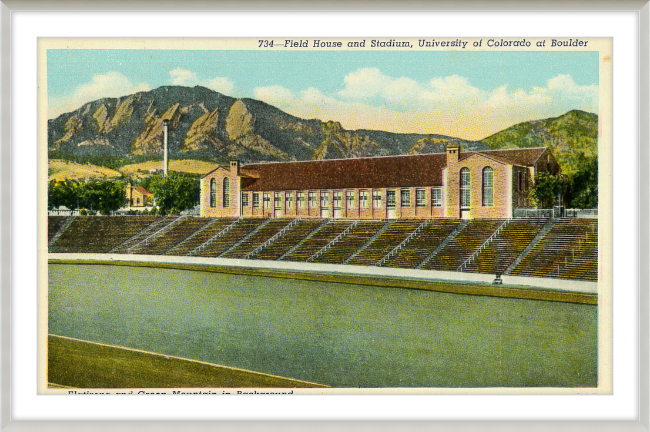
(64,193)
(584,183)
(103,196)
(547,187)
(176,191)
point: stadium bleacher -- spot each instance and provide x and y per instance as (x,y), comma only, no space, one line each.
(463,245)
(341,250)
(99,234)
(320,239)
(569,250)
(54,224)
(236,233)
(421,246)
(386,242)
(282,245)
(506,246)
(176,234)
(273,227)
(210,230)
(556,246)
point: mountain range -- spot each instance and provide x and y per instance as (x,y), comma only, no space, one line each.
(207,124)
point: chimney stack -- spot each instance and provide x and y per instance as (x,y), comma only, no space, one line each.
(234,167)
(453,153)
(165,148)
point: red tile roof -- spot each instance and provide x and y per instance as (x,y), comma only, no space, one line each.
(373,172)
(142,190)
(395,171)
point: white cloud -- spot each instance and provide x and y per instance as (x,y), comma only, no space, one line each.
(185,77)
(448,105)
(110,85)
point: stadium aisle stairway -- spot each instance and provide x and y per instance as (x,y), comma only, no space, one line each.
(236,233)
(386,242)
(264,234)
(323,237)
(421,246)
(213,229)
(99,234)
(176,234)
(463,245)
(506,246)
(340,251)
(54,224)
(279,247)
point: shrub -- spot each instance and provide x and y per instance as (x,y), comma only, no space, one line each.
(104,212)
(153,211)
(83,212)
(162,212)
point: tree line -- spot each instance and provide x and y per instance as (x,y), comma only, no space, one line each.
(172,194)
(578,190)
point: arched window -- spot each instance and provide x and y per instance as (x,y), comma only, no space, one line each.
(213,193)
(465,186)
(226,192)
(488,186)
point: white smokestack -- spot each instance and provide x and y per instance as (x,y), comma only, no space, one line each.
(166,151)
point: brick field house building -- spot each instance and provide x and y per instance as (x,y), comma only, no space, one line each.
(454,184)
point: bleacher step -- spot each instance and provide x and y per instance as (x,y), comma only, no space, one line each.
(65,225)
(310,235)
(540,235)
(444,243)
(370,240)
(247,236)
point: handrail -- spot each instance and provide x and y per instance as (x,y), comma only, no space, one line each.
(472,257)
(194,234)
(279,234)
(404,242)
(212,239)
(336,239)
(155,235)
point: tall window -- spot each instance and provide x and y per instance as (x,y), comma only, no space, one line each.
(213,193)
(244,200)
(390,199)
(376,199)
(288,200)
(278,200)
(405,197)
(436,197)
(420,198)
(349,197)
(337,199)
(267,201)
(300,199)
(312,199)
(324,199)
(256,200)
(465,185)
(488,186)
(226,192)
(363,197)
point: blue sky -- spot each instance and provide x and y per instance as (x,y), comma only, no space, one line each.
(465,92)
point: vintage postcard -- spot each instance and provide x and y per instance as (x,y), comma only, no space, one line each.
(305,215)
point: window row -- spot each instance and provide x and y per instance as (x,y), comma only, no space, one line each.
(323,199)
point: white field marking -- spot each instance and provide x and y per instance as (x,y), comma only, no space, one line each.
(185,359)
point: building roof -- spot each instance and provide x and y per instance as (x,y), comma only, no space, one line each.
(142,190)
(372,172)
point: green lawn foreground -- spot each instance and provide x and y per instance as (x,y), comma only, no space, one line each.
(80,364)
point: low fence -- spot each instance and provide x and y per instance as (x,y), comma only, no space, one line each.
(556,212)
